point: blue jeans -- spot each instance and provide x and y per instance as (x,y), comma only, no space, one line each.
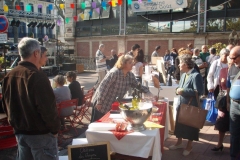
(235,130)
(37,147)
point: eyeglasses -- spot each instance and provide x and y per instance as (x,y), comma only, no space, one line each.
(234,58)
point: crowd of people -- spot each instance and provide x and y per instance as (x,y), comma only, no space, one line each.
(30,101)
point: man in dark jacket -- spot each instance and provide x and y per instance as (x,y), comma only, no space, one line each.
(111,61)
(30,105)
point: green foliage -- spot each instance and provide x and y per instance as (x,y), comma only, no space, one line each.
(219,46)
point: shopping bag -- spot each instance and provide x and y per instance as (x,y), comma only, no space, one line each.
(212,111)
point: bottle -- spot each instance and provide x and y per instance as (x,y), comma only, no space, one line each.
(121,105)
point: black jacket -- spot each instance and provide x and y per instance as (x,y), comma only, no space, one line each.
(29,101)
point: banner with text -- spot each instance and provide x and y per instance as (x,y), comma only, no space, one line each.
(157,5)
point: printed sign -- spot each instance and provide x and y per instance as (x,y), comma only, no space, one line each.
(157,5)
(96,151)
(3,37)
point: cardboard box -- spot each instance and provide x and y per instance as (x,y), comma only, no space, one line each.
(80,68)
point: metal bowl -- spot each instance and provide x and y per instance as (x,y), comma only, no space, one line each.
(136,118)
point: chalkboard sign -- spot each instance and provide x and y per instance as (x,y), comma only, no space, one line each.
(96,151)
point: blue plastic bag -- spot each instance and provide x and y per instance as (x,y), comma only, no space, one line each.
(212,111)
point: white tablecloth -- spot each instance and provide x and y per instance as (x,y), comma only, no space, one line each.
(138,144)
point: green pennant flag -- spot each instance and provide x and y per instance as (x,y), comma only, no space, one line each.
(83,6)
(28,8)
(67,19)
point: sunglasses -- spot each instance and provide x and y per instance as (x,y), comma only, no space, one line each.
(234,57)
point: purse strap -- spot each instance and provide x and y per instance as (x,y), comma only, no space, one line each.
(197,97)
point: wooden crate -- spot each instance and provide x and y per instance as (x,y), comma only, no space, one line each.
(80,68)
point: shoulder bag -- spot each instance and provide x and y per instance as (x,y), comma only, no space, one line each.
(221,100)
(192,116)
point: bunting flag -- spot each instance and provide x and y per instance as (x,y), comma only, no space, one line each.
(28,8)
(83,6)
(75,18)
(105,8)
(90,13)
(110,3)
(129,2)
(114,3)
(119,2)
(82,16)
(72,5)
(94,4)
(97,10)
(139,1)
(50,7)
(61,6)
(18,7)
(104,4)
(39,6)
(149,0)
(5,8)
(59,22)
(67,19)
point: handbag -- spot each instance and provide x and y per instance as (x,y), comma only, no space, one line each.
(212,111)
(192,116)
(221,101)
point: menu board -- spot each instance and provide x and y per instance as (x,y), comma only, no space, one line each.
(96,151)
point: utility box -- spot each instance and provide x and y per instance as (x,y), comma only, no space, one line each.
(80,68)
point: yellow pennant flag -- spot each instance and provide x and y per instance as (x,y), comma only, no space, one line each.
(61,6)
(113,3)
(5,8)
(82,16)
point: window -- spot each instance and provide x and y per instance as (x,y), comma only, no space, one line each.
(22,30)
(233,24)
(215,25)
(83,31)
(48,11)
(153,27)
(184,26)
(110,30)
(136,28)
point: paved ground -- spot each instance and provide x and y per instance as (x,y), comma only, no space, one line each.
(201,149)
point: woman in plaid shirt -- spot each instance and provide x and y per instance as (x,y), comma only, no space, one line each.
(115,84)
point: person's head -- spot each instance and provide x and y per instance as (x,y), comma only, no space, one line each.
(140,56)
(224,54)
(167,51)
(113,52)
(174,50)
(186,63)
(71,76)
(196,52)
(44,58)
(135,49)
(190,46)
(125,62)
(230,47)
(157,49)
(212,50)
(29,50)
(230,62)
(204,49)
(235,56)
(183,51)
(101,47)
(59,80)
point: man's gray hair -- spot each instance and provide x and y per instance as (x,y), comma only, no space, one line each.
(187,59)
(27,46)
(224,51)
(101,46)
(195,50)
(59,79)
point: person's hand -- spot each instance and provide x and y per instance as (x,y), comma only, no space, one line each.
(211,90)
(228,107)
(179,91)
(98,106)
(205,64)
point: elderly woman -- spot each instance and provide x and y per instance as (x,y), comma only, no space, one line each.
(62,93)
(115,84)
(190,81)
(213,74)
(222,122)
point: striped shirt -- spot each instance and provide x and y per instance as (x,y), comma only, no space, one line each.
(114,85)
(100,66)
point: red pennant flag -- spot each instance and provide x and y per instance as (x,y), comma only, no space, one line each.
(75,18)
(18,7)
(72,5)
(110,3)
(119,2)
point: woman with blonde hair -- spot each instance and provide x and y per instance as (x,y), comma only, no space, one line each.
(115,84)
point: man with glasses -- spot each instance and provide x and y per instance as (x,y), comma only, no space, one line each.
(30,105)
(234,94)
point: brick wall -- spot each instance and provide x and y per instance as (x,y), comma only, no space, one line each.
(181,43)
(153,43)
(109,45)
(95,46)
(83,49)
